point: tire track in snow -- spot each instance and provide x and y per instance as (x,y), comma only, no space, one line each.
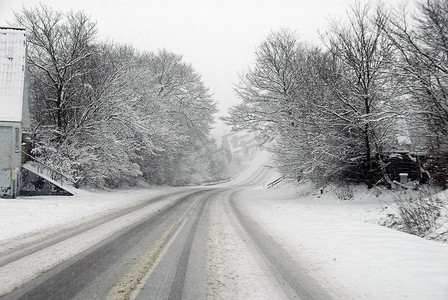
(28,245)
(235,271)
(67,275)
(295,277)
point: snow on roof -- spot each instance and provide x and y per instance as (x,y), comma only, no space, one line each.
(12,72)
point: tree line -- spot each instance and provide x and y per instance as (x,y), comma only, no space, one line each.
(108,115)
(336,113)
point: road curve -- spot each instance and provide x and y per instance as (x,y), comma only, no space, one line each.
(192,244)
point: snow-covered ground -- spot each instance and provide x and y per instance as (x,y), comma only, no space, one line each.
(26,215)
(29,219)
(339,243)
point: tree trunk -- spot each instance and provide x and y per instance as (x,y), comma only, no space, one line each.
(368,148)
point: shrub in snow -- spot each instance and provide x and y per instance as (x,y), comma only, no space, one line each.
(343,192)
(420,214)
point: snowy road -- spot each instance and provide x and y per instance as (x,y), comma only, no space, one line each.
(90,263)
(163,254)
(190,244)
(229,241)
(198,246)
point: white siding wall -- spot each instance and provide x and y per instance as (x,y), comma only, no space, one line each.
(10,158)
(12,77)
(12,73)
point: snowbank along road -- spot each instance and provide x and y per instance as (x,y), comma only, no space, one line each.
(193,243)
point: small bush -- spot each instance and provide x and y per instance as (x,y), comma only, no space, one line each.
(343,192)
(419,213)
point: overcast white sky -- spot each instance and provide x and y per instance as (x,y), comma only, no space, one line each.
(218,37)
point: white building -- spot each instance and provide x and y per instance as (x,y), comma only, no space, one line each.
(14,114)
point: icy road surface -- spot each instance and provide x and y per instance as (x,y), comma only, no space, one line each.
(231,241)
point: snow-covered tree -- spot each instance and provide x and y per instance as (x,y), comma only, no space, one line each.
(107,115)
(267,91)
(286,99)
(328,112)
(421,43)
(362,80)
(171,94)
(58,44)
(102,129)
